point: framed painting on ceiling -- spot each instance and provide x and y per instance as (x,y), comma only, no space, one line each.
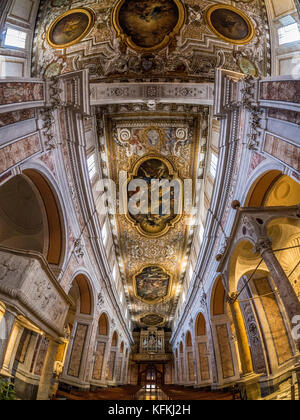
(148,25)
(230,24)
(70,28)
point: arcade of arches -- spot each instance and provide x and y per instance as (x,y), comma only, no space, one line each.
(199,299)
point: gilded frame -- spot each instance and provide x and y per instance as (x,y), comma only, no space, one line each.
(168,38)
(89,13)
(159,300)
(175,175)
(251,29)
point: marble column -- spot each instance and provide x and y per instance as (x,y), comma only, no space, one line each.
(12,348)
(241,333)
(249,378)
(286,291)
(9,319)
(48,370)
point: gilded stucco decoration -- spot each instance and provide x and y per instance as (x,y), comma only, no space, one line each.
(192,53)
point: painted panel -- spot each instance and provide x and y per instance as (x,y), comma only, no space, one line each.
(41,356)
(190,358)
(77,350)
(275,320)
(111,366)
(98,366)
(8,118)
(283,151)
(18,92)
(283,91)
(204,362)
(225,351)
(19,151)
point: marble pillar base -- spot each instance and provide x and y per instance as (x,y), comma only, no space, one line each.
(250,387)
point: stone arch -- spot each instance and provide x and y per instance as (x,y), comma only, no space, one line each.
(103,325)
(40,225)
(115,339)
(200,325)
(82,292)
(273,188)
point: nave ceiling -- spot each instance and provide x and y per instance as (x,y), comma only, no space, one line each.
(153,252)
(146,41)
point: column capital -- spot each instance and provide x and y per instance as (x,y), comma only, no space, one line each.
(262,245)
(232,298)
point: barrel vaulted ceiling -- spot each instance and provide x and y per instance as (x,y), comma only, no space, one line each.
(152,41)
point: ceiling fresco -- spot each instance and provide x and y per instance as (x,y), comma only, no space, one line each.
(156,222)
(167,39)
(152,284)
(147,24)
(152,144)
(152,320)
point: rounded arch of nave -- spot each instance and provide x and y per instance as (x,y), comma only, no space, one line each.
(60,202)
(49,196)
(105,318)
(200,325)
(216,297)
(86,289)
(259,185)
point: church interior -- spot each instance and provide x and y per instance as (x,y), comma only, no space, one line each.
(149,200)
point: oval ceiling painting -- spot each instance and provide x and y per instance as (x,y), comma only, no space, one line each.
(70,28)
(159,208)
(230,24)
(148,25)
(152,284)
(152,320)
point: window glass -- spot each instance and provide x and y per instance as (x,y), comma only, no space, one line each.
(15,38)
(289,33)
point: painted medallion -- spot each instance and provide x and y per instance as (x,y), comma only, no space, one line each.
(70,28)
(230,24)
